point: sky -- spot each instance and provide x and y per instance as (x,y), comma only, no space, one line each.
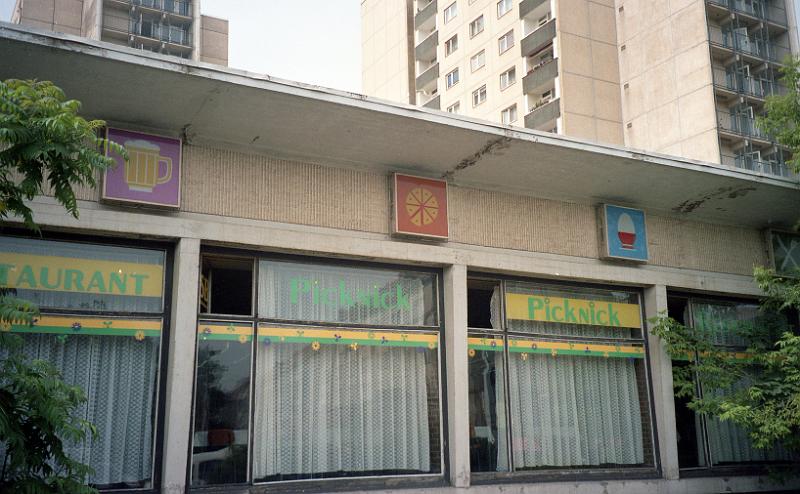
(314,41)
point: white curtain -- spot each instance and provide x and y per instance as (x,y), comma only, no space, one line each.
(119,376)
(340,410)
(574,411)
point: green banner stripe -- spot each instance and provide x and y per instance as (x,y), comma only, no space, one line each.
(345,341)
(83,331)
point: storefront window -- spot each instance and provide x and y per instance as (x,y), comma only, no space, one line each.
(82,291)
(345,380)
(566,378)
(707,441)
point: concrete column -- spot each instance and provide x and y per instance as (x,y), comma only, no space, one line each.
(455,337)
(655,302)
(180,366)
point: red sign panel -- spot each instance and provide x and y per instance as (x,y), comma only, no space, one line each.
(420,206)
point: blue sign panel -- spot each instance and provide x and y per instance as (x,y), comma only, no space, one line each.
(625,233)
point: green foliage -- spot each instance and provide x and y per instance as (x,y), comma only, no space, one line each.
(758,390)
(44,140)
(782,118)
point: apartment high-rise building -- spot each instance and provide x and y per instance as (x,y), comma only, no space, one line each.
(172,27)
(686,78)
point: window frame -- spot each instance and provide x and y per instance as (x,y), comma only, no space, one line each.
(420,480)
(501,4)
(454,108)
(450,12)
(505,38)
(712,469)
(159,408)
(576,473)
(451,45)
(452,78)
(478,92)
(512,111)
(473,58)
(507,73)
(475,32)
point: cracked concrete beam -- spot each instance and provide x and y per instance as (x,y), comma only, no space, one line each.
(491,147)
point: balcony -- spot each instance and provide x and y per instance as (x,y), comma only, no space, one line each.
(539,38)
(754,163)
(179,8)
(748,47)
(770,12)
(540,75)
(426,81)
(528,6)
(433,103)
(740,125)
(164,33)
(750,86)
(543,115)
(425,18)
(426,50)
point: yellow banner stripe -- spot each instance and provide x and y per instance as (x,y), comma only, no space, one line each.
(69,274)
(572,311)
(345,334)
(99,323)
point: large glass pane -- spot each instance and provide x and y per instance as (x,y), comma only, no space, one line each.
(222,403)
(66,275)
(578,404)
(488,436)
(345,294)
(115,361)
(582,312)
(343,402)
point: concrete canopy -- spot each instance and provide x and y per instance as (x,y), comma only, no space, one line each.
(218,106)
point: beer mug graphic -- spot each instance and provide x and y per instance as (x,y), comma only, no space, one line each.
(142,170)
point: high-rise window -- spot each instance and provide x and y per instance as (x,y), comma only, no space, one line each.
(451,45)
(509,115)
(508,78)
(476,26)
(504,7)
(479,95)
(454,108)
(451,78)
(506,41)
(477,61)
(450,12)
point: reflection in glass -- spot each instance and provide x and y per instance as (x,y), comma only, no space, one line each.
(222,401)
(487,419)
(338,403)
(324,293)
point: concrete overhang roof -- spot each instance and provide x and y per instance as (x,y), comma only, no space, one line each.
(211,105)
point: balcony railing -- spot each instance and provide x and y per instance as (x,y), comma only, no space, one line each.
(543,112)
(179,7)
(170,34)
(768,12)
(748,45)
(758,87)
(538,38)
(756,164)
(741,124)
(539,75)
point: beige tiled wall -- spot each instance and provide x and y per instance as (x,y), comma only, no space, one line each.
(214,40)
(263,188)
(384,50)
(63,16)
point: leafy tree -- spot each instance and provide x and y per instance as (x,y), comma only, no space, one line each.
(43,141)
(782,118)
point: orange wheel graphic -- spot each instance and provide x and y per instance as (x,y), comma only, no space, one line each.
(422,206)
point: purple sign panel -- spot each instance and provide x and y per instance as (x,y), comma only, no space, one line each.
(152,174)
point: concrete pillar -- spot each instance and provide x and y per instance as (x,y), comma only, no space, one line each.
(455,337)
(655,302)
(180,366)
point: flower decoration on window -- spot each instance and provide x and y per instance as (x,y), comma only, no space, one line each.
(431,345)
(471,352)
(108,324)
(354,346)
(5,326)
(139,335)
(553,352)
(267,342)
(76,326)
(383,340)
(242,338)
(337,337)
(62,338)
(493,344)
(523,356)
(315,346)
